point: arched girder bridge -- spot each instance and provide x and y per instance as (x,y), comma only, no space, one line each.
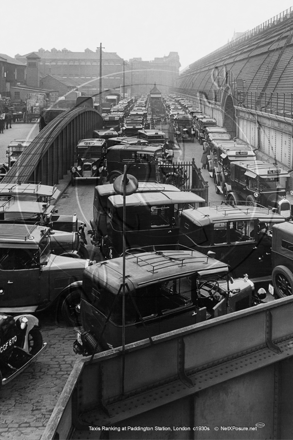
(50,155)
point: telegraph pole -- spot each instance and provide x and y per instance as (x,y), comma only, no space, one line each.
(123,79)
(101,72)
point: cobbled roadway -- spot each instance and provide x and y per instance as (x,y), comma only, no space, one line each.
(27,402)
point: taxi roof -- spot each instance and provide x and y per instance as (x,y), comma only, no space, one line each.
(24,207)
(156,198)
(30,235)
(218,143)
(216,129)
(108,189)
(216,136)
(91,142)
(151,267)
(32,189)
(140,148)
(20,143)
(151,132)
(262,168)
(211,214)
(129,140)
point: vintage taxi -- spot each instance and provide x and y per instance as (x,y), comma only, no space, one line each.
(151,220)
(241,236)
(164,291)
(67,232)
(32,278)
(90,156)
(100,207)
(258,182)
(15,149)
(141,161)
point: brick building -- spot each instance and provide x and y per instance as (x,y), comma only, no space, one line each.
(79,72)
(12,73)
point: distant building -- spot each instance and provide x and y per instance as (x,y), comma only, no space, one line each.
(80,72)
(12,72)
(162,71)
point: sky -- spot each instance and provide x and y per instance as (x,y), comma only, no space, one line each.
(132,28)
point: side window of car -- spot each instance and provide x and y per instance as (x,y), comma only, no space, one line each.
(242,231)
(16,259)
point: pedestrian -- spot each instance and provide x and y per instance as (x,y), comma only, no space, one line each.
(204,157)
(2,122)
(10,116)
(6,120)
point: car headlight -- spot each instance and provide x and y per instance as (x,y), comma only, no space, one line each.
(95,167)
(256,194)
(73,169)
(79,168)
(23,322)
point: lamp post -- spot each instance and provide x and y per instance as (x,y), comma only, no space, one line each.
(100,82)
(125,185)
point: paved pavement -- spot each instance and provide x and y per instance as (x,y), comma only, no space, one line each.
(19,130)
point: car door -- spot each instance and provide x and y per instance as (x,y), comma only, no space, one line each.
(19,279)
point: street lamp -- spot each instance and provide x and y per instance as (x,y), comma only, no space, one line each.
(125,185)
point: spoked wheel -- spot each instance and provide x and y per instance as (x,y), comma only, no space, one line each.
(70,308)
(282,278)
(35,341)
(250,200)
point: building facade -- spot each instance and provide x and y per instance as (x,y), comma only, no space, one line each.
(12,73)
(81,71)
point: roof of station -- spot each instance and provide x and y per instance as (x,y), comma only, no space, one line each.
(256,65)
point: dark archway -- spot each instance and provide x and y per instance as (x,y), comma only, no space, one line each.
(229,121)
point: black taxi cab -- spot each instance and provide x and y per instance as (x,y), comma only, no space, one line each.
(15,149)
(100,204)
(239,235)
(32,278)
(164,291)
(151,220)
(90,154)
(141,161)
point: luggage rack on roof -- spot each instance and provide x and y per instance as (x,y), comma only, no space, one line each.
(241,206)
(28,188)
(159,260)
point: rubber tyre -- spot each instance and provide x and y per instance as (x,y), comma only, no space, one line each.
(250,200)
(114,176)
(282,279)
(35,341)
(69,309)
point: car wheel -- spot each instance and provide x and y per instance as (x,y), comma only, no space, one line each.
(35,341)
(282,279)
(250,200)
(70,311)
(114,176)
